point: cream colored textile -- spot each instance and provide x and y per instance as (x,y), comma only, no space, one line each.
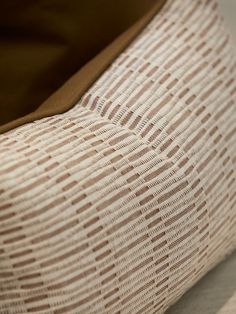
(214,294)
(121,204)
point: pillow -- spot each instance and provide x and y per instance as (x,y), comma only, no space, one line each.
(125,201)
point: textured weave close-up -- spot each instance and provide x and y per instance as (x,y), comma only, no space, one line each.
(125,200)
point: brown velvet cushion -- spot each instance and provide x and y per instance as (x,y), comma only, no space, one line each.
(44,42)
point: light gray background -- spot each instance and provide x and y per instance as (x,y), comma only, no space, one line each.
(228,8)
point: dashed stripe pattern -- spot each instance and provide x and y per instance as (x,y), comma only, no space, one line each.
(124,202)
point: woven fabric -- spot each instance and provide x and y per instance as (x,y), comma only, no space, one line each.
(124,202)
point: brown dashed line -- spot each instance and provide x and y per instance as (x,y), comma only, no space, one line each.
(83,208)
(69,126)
(146,200)
(109,278)
(99,125)
(6,274)
(178,284)
(230,135)
(35,213)
(36,298)
(162,104)
(69,186)
(135,122)
(107,270)
(214,183)
(114,198)
(177,57)
(91,222)
(77,161)
(145,308)
(147,129)
(178,122)
(144,67)
(138,291)
(78,199)
(125,120)
(111,293)
(154,223)
(30,153)
(95,231)
(61,144)
(5,206)
(127,248)
(135,269)
(103,255)
(12,230)
(110,92)
(176,217)
(166,145)
(47,236)
(203,214)
(183,237)
(135,98)
(218,205)
(112,302)
(124,222)
(94,103)
(100,246)
(183,260)
(71,307)
(213,130)
(39,308)
(207,161)
(211,90)
(29,276)
(14,167)
(99,177)
(172,192)
(158,237)
(152,213)
(106,107)
(9,296)
(154,135)
(218,228)
(66,255)
(63,177)
(225,109)
(173,151)
(43,160)
(194,73)
(31,286)
(212,22)
(158,171)
(205,118)
(200,111)
(7,216)
(20,254)
(71,280)
(16,239)
(53,165)
(116,159)
(159,246)
(119,139)
(113,112)
(139,154)
(155,48)
(30,187)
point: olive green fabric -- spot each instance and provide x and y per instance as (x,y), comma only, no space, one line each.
(43,43)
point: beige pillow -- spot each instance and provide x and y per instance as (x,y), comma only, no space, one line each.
(124,202)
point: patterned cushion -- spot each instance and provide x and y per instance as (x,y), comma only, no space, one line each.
(124,202)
